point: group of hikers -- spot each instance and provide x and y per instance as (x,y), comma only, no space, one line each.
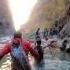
(65,41)
(48,32)
(19,50)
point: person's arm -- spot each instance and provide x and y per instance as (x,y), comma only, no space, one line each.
(33,52)
(5,50)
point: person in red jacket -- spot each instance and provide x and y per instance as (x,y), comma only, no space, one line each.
(19,50)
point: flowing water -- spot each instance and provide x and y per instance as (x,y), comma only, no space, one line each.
(53,60)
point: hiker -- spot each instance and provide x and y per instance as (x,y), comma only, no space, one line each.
(40,50)
(19,50)
(68,48)
(51,32)
(38,46)
(37,34)
(45,33)
(64,44)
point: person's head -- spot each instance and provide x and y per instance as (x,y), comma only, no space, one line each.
(39,42)
(65,41)
(38,29)
(17,38)
(18,35)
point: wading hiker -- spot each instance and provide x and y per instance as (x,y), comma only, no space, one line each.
(45,34)
(64,44)
(40,50)
(19,50)
(68,48)
(38,45)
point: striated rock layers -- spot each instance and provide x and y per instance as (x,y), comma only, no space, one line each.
(45,13)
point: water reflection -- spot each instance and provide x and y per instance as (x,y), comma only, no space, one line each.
(38,66)
(60,61)
(52,61)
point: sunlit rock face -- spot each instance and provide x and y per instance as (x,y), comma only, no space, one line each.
(6,24)
(45,13)
(66,29)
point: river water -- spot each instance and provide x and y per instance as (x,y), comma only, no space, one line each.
(54,59)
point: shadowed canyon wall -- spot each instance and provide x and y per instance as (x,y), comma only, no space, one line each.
(6,23)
